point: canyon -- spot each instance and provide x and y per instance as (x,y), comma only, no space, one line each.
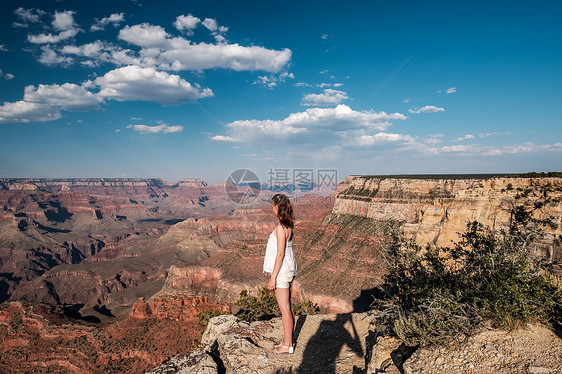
(123,253)
(101,234)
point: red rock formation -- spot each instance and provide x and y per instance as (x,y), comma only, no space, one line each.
(40,338)
(141,309)
(175,307)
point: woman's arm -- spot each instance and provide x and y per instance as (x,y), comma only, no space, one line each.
(280,234)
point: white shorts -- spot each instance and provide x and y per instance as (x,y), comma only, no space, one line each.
(284,280)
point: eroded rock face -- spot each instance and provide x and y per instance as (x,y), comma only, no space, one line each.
(434,211)
(197,362)
(175,307)
(226,347)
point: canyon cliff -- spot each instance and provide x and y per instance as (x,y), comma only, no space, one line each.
(433,211)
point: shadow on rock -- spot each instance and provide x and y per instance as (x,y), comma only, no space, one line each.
(324,347)
(298,327)
(365,300)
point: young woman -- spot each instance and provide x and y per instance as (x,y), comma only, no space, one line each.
(280,262)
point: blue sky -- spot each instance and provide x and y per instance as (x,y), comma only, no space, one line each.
(182,89)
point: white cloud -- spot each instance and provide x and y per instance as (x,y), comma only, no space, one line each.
(158,48)
(324,36)
(28,16)
(210,24)
(114,19)
(97,52)
(485,135)
(222,138)
(470,150)
(383,138)
(62,22)
(451,90)
(50,57)
(44,103)
(68,96)
(134,83)
(531,147)
(406,101)
(216,30)
(6,76)
(434,139)
(146,35)
(3,48)
(130,83)
(186,23)
(426,109)
(311,125)
(162,128)
(457,148)
(323,71)
(319,85)
(25,112)
(466,137)
(92,50)
(50,38)
(272,81)
(328,98)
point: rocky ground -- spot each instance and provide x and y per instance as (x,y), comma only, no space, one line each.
(533,349)
(346,343)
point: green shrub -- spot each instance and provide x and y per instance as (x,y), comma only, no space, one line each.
(206,315)
(439,295)
(264,306)
(305,307)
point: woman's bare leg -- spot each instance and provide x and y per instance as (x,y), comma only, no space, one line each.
(283,296)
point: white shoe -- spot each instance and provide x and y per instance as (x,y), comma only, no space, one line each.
(290,352)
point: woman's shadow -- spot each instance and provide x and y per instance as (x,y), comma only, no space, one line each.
(324,347)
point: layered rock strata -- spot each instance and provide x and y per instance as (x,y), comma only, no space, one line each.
(435,210)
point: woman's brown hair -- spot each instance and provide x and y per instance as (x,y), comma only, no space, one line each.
(285,209)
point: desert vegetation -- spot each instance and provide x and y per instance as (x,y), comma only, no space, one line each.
(264,306)
(488,278)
